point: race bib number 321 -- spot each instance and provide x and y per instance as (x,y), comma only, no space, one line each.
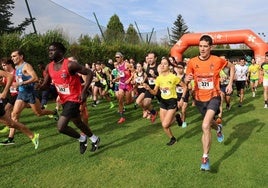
(205,83)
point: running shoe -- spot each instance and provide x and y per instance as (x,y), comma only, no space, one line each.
(172,141)
(184,124)
(35,140)
(111,105)
(153,117)
(220,136)
(266,106)
(83,146)
(95,145)
(4,130)
(253,94)
(111,92)
(56,115)
(205,166)
(7,141)
(178,119)
(121,120)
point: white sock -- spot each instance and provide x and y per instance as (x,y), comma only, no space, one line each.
(82,138)
(93,138)
(205,155)
(219,129)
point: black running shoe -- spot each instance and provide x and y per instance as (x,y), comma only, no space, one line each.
(178,119)
(56,115)
(83,146)
(95,145)
(172,141)
(8,141)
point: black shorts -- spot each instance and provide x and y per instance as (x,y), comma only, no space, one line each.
(2,109)
(71,109)
(141,90)
(11,99)
(240,85)
(223,90)
(212,104)
(186,98)
(168,104)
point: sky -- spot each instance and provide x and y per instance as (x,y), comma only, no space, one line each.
(75,17)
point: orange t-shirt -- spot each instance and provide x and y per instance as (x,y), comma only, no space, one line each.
(206,76)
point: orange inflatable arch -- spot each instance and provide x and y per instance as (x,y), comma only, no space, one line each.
(247,37)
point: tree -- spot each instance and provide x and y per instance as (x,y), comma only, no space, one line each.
(6,26)
(179,29)
(132,35)
(115,30)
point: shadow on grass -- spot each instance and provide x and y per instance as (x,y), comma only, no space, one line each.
(128,138)
(38,151)
(240,134)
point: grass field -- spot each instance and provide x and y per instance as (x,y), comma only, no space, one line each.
(135,154)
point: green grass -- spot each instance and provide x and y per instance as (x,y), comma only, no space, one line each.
(135,154)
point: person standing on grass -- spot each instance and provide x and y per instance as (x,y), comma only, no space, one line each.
(125,86)
(166,83)
(204,70)
(26,79)
(8,66)
(5,117)
(151,72)
(241,71)
(253,76)
(264,70)
(64,74)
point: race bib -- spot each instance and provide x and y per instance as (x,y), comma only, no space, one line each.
(179,89)
(205,83)
(121,74)
(139,80)
(151,81)
(165,91)
(63,89)
(13,90)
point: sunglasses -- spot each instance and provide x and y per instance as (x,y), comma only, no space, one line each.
(117,57)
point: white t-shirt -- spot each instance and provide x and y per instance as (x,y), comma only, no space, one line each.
(241,72)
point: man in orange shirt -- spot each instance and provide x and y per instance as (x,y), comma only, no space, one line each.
(204,70)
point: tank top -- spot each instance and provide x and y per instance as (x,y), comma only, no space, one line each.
(20,77)
(68,86)
(124,73)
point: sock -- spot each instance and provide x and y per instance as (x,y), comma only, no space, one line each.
(82,138)
(153,112)
(205,155)
(219,129)
(93,138)
(10,138)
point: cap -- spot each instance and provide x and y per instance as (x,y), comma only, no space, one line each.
(119,54)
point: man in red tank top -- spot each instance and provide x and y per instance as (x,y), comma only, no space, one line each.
(63,74)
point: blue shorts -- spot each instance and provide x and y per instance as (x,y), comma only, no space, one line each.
(27,96)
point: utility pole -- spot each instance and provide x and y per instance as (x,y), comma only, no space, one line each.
(31,18)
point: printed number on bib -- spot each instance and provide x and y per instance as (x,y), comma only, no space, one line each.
(205,83)
(63,89)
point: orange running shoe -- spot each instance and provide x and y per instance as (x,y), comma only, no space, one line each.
(121,120)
